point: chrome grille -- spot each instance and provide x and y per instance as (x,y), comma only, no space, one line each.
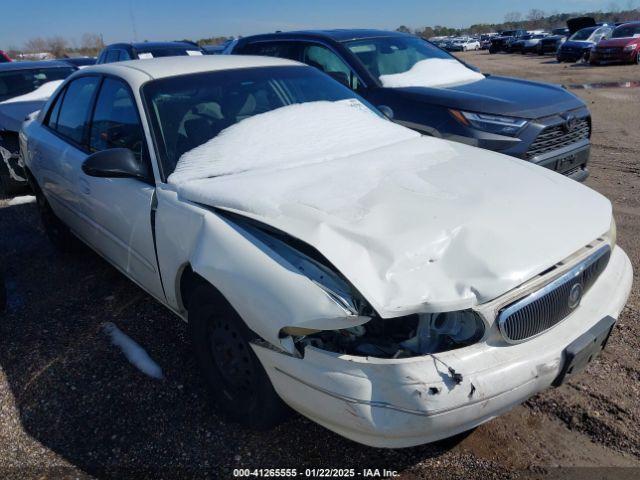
(554,138)
(547,307)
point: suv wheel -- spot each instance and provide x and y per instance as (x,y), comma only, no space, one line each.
(236,379)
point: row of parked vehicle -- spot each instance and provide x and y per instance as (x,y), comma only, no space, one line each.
(582,40)
(316,206)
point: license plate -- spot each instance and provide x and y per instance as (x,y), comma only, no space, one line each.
(584,349)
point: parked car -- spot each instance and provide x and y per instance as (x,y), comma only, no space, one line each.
(485,40)
(463,45)
(579,45)
(4,58)
(502,42)
(216,49)
(551,43)
(119,52)
(394,302)
(530,45)
(622,47)
(24,88)
(80,62)
(429,90)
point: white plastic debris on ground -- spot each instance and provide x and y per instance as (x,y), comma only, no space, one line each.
(43,92)
(291,136)
(136,355)
(432,72)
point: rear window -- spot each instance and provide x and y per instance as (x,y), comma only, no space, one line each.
(19,82)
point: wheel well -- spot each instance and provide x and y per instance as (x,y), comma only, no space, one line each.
(190,280)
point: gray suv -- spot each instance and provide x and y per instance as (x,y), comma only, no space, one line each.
(538,122)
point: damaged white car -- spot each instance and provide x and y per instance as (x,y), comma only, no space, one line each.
(395,288)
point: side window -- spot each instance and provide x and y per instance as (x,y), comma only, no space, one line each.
(76,104)
(52,121)
(115,121)
(327,61)
(112,56)
(124,55)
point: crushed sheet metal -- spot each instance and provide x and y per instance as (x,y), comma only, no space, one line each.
(7,158)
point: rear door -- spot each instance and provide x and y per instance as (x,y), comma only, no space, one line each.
(61,149)
(120,208)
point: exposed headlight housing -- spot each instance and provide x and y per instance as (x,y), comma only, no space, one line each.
(438,332)
(498,124)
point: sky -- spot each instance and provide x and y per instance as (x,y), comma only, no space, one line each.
(129,20)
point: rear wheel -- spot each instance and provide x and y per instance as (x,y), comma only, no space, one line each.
(638,57)
(59,234)
(238,383)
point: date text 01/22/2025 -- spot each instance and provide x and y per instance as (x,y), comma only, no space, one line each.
(314,472)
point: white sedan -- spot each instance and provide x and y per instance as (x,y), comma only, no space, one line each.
(395,288)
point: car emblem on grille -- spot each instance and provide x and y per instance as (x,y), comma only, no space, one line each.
(575,294)
(570,123)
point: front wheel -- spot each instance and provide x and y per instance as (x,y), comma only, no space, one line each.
(236,379)
(638,58)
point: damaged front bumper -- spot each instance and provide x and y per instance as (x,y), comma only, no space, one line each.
(405,402)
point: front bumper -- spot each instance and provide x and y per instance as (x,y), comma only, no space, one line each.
(406,402)
(571,161)
(600,58)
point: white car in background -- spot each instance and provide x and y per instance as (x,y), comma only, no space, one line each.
(465,44)
(395,288)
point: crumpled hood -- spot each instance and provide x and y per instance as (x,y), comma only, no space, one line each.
(423,224)
(500,96)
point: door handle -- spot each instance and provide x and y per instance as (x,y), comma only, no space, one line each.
(84,186)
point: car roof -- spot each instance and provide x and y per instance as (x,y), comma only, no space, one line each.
(143,70)
(338,35)
(35,64)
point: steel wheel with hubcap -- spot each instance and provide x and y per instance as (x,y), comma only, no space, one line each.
(238,383)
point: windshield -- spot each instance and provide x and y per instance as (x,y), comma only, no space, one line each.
(189,110)
(627,31)
(19,82)
(391,55)
(559,31)
(583,34)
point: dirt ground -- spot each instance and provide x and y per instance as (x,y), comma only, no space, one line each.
(72,406)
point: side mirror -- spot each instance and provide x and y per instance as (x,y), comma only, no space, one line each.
(341,77)
(386,111)
(115,163)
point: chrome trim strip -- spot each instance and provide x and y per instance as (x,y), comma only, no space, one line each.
(523,302)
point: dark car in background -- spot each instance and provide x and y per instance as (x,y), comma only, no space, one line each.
(398,73)
(622,47)
(579,45)
(80,61)
(551,43)
(119,52)
(18,83)
(4,58)
(503,42)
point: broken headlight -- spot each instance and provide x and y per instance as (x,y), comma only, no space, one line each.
(410,336)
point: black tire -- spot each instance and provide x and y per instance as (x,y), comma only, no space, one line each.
(638,58)
(57,232)
(236,379)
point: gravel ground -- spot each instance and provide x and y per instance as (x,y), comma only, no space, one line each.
(71,406)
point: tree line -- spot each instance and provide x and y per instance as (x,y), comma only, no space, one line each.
(534,19)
